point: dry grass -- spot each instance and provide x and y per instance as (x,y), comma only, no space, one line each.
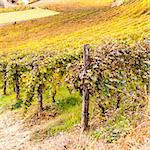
(12,9)
(86,2)
(138,138)
(73,2)
(25,15)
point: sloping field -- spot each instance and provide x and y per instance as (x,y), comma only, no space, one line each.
(25,15)
(75,26)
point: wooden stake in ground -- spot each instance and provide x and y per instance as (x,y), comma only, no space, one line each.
(5,79)
(85,91)
(40,98)
(17,84)
(5,82)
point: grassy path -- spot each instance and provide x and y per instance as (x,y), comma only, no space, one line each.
(15,135)
(25,15)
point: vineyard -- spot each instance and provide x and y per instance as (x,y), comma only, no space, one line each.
(86,68)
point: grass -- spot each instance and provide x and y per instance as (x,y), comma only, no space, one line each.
(6,102)
(70,107)
(13,9)
(70,114)
(65,121)
(60,124)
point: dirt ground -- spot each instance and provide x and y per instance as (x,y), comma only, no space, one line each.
(15,135)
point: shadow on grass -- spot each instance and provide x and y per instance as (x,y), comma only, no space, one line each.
(67,103)
(17,104)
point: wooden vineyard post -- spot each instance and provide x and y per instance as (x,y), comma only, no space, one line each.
(85,90)
(40,98)
(5,82)
(17,85)
(5,79)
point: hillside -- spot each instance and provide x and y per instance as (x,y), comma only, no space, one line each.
(43,79)
(77,26)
